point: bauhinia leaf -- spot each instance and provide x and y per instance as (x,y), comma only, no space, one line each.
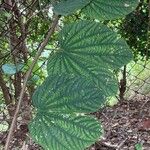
(61,102)
(80,78)
(66,7)
(69,93)
(55,131)
(88,48)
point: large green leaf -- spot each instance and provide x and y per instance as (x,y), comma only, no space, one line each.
(88,48)
(69,93)
(61,101)
(66,7)
(55,131)
(99,9)
(109,9)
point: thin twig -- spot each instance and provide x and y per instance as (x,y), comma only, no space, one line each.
(107,144)
(40,49)
(121,144)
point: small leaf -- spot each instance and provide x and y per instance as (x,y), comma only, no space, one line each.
(66,7)
(139,146)
(34,79)
(11,69)
(107,10)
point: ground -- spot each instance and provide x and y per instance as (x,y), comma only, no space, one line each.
(125,124)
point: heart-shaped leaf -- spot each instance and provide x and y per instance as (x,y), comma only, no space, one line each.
(56,131)
(88,48)
(61,102)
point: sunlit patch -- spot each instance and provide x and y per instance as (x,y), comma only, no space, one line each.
(126,5)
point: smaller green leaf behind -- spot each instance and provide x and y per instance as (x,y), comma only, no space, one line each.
(11,69)
(64,131)
(109,9)
(66,7)
(139,146)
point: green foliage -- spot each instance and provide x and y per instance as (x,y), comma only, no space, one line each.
(66,7)
(139,146)
(106,9)
(135,27)
(34,80)
(39,26)
(99,9)
(80,76)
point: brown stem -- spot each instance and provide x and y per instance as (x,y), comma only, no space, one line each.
(7,5)
(17,84)
(17,49)
(123,84)
(6,93)
(40,49)
(23,32)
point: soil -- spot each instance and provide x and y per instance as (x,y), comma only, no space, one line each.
(125,125)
